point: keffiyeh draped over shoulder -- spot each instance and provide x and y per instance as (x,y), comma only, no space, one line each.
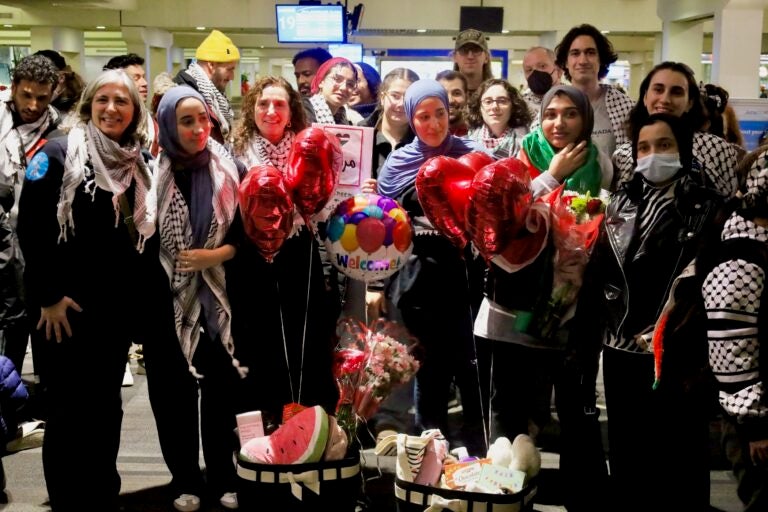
(113,168)
(402,165)
(218,180)
(213,97)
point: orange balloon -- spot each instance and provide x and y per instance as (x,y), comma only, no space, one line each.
(402,235)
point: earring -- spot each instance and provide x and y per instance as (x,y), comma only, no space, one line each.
(288,125)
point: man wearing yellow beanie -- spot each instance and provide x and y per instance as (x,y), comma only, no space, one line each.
(214,67)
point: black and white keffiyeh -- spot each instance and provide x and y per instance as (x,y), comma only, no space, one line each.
(18,142)
(113,168)
(260,151)
(213,97)
(176,235)
(323,113)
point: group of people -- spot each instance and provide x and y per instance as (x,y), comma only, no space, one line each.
(127,228)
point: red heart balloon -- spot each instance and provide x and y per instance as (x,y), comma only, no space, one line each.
(266,209)
(444,185)
(476,160)
(500,199)
(314,164)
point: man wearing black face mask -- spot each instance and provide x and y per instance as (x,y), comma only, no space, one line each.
(541,73)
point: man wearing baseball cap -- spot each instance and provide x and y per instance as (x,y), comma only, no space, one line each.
(472,58)
(214,67)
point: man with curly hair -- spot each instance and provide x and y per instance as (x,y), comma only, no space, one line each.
(585,55)
(26,118)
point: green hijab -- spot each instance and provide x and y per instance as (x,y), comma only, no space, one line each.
(540,152)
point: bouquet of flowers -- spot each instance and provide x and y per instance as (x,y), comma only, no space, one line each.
(575,224)
(369,363)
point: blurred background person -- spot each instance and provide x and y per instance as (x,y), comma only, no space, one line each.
(455,85)
(305,65)
(541,74)
(365,98)
(472,58)
(498,118)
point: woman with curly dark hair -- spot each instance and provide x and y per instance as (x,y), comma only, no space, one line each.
(498,118)
(272,115)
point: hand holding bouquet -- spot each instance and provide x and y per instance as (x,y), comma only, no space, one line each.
(576,222)
(369,363)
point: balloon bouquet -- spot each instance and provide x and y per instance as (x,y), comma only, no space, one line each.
(368,236)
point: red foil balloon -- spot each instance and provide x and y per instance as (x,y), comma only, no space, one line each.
(314,164)
(266,208)
(476,160)
(500,199)
(444,185)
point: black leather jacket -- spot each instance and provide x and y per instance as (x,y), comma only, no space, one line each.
(628,278)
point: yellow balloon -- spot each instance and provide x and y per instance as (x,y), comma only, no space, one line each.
(398,214)
(349,238)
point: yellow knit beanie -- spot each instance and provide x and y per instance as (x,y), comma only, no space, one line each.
(217,48)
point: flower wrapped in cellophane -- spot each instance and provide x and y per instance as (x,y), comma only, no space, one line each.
(369,363)
(575,225)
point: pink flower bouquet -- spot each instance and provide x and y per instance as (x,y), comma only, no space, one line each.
(369,363)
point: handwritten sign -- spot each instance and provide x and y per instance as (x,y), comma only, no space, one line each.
(357,146)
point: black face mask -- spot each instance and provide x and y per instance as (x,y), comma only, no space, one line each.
(539,82)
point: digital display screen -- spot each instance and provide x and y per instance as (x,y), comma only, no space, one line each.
(352,51)
(310,24)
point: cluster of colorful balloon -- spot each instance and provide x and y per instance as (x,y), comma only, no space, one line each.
(369,237)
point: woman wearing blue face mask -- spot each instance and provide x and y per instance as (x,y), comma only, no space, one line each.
(652,230)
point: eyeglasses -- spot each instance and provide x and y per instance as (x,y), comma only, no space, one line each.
(339,79)
(395,97)
(501,102)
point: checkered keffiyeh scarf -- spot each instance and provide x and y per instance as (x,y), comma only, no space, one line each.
(260,151)
(114,168)
(756,192)
(213,97)
(323,114)
(176,235)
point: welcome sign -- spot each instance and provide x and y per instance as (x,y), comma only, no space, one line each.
(357,146)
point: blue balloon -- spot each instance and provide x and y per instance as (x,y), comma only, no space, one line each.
(335,228)
(357,217)
(373,211)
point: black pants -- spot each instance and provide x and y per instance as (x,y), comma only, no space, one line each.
(174,393)
(84,416)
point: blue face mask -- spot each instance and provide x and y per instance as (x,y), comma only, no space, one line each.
(659,168)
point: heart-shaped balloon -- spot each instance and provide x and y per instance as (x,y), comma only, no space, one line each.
(266,208)
(444,185)
(500,199)
(476,160)
(314,164)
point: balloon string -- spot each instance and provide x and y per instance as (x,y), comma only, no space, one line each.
(285,343)
(476,362)
(306,310)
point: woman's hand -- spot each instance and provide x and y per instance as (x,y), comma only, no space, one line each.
(568,159)
(369,186)
(55,317)
(194,260)
(376,305)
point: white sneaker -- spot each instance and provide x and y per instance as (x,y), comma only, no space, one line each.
(229,500)
(128,377)
(187,503)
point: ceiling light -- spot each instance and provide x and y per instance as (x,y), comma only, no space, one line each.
(505,31)
(605,31)
(421,30)
(8,26)
(100,27)
(200,28)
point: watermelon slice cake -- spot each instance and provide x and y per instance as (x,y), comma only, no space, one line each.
(302,438)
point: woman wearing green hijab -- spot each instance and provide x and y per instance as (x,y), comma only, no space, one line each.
(560,150)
